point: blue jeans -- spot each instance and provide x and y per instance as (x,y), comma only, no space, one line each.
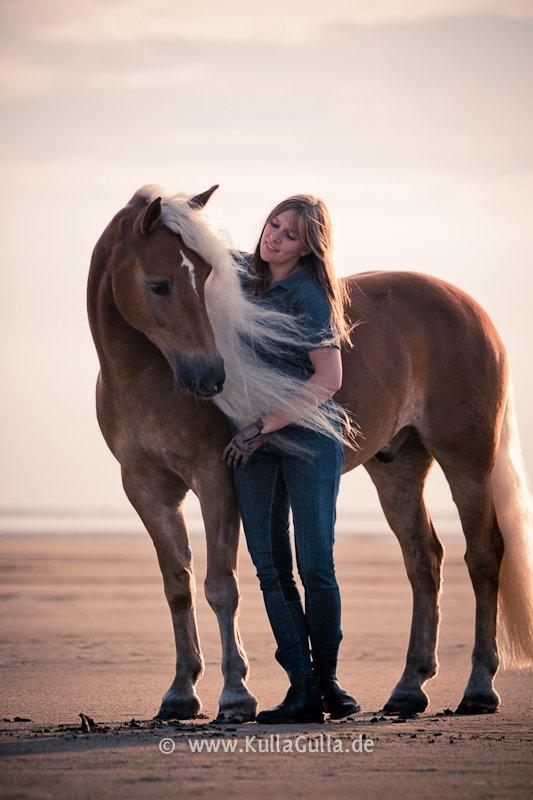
(270,483)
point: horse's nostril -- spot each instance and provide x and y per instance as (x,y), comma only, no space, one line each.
(208,388)
(200,376)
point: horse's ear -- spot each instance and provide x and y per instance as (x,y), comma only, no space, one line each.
(201,199)
(151,217)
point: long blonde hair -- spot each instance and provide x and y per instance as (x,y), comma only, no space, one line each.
(314,226)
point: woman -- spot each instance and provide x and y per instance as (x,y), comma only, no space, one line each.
(292,271)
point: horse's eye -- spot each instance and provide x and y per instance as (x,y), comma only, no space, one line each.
(159,287)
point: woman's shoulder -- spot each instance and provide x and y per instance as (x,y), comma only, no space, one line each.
(243,261)
(312,301)
(242,257)
(309,291)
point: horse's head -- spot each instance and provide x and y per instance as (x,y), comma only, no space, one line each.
(158,286)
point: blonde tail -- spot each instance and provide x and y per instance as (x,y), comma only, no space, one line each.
(514,512)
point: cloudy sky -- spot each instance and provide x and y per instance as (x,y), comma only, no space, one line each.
(413,120)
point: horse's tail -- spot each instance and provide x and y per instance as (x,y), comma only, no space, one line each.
(514,512)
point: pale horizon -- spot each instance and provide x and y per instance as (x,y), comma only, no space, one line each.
(413,122)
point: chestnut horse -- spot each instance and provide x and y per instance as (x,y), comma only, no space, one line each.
(427,380)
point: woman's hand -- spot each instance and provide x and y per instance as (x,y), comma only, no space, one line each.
(244,444)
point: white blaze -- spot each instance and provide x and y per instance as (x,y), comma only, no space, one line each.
(190,266)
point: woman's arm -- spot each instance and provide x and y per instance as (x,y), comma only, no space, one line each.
(325,381)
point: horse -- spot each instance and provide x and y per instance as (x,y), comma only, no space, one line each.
(427,381)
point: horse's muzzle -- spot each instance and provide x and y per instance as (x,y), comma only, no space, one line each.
(201,376)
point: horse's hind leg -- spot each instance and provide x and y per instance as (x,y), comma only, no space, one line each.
(400,487)
(156,495)
(222,523)
(484,551)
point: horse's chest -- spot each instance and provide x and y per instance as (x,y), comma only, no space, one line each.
(133,434)
(133,445)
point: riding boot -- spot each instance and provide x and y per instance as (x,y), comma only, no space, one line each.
(302,703)
(337,702)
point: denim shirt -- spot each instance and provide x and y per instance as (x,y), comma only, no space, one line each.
(297,294)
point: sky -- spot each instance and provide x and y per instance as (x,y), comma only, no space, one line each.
(413,121)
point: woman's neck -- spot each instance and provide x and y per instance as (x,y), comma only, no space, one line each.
(278,272)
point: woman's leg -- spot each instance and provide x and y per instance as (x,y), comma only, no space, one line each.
(264,507)
(313,485)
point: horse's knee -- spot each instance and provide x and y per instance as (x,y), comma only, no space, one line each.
(222,592)
(179,590)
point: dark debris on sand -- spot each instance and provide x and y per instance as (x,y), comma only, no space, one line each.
(88,725)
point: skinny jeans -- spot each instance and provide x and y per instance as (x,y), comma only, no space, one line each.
(272,482)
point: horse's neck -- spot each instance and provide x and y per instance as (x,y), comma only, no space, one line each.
(122,350)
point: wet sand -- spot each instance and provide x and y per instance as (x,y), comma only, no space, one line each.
(85,628)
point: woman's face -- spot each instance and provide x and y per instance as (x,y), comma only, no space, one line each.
(280,243)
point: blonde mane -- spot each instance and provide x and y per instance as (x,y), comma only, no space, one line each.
(252,387)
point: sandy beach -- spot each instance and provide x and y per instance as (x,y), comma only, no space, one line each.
(85,629)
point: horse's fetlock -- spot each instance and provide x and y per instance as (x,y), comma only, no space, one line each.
(425,669)
(486,662)
(197,671)
(428,670)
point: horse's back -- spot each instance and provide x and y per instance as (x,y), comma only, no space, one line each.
(437,309)
(424,353)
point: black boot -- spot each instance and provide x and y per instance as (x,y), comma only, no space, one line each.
(337,702)
(302,703)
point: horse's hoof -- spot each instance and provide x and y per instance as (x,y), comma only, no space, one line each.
(406,703)
(243,710)
(234,716)
(174,707)
(479,703)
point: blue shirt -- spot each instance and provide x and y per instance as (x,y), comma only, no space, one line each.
(297,294)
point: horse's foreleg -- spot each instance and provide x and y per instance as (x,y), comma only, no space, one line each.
(156,496)
(400,485)
(222,523)
(484,551)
